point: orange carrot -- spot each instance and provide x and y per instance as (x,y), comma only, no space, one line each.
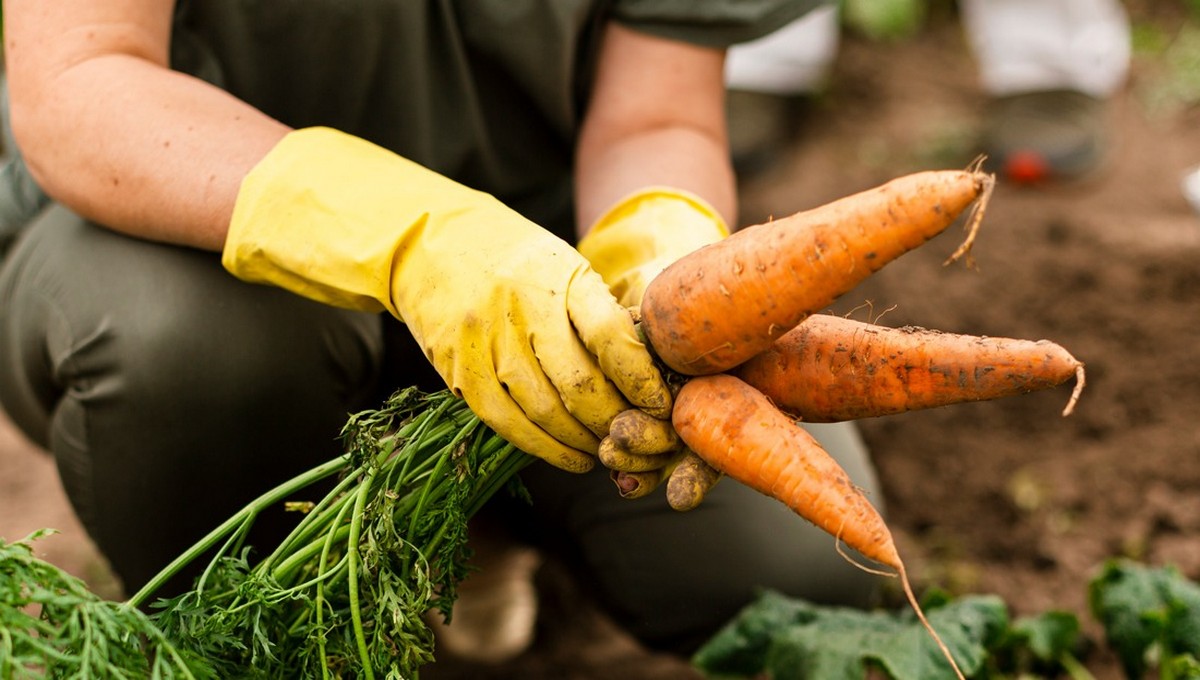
(830,369)
(726,302)
(737,430)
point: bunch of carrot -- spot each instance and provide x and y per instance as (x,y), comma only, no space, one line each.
(738,323)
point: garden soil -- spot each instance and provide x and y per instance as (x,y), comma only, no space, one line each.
(1005,497)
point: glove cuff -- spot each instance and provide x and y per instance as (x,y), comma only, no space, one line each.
(653,225)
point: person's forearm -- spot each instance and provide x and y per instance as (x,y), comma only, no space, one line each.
(137,147)
(656,117)
(680,157)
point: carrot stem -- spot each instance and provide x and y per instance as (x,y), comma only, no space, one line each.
(352,548)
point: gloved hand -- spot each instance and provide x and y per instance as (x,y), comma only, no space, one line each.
(629,245)
(513,319)
(644,233)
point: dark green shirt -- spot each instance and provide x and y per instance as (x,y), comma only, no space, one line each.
(488,92)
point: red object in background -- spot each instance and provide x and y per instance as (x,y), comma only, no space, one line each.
(1026,167)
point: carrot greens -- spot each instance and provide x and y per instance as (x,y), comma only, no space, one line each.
(347,591)
(345,594)
(52,625)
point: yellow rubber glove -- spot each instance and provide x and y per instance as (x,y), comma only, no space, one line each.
(629,245)
(513,319)
(644,233)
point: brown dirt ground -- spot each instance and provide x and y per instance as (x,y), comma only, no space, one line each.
(1002,497)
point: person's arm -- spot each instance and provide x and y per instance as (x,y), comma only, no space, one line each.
(111,132)
(656,116)
(524,331)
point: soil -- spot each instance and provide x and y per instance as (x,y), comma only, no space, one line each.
(1005,497)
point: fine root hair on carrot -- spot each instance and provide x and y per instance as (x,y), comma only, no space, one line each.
(902,573)
(1080,380)
(973,220)
(872,317)
(839,546)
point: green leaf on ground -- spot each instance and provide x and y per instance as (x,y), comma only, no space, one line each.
(1145,609)
(786,638)
(1049,635)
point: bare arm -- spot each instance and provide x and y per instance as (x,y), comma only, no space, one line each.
(656,116)
(111,132)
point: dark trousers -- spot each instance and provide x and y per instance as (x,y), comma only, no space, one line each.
(170,394)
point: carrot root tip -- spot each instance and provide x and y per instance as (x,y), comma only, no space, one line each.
(912,600)
(974,219)
(1079,383)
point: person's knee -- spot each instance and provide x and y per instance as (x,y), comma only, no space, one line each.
(674,579)
(687,574)
(162,321)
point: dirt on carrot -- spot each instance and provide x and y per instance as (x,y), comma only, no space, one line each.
(725,303)
(831,368)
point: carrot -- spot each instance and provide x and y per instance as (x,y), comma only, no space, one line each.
(831,369)
(728,301)
(738,431)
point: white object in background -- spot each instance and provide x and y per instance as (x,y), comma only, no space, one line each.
(794,59)
(1031,45)
(1191,187)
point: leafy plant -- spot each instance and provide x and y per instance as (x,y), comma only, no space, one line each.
(781,638)
(344,595)
(51,625)
(1148,612)
(788,638)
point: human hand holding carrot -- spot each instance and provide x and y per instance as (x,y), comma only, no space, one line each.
(708,311)
(825,368)
(525,332)
(629,245)
(741,318)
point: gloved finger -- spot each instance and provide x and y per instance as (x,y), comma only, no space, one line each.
(503,414)
(614,457)
(606,329)
(690,482)
(631,287)
(581,385)
(639,433)
(636,484)
(537,394)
